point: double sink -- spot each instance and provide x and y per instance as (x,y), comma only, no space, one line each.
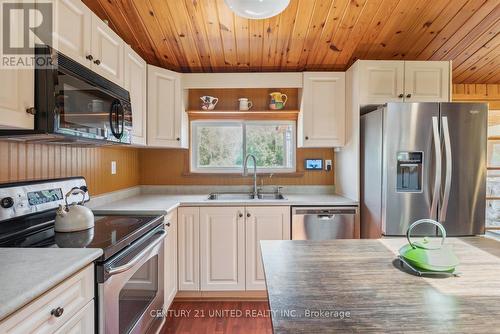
(235,196)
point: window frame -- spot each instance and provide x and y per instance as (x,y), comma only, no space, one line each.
(193,156)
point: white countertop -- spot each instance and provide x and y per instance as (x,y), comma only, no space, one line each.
(27,273)
(158,204)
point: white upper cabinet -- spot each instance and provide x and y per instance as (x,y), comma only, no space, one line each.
(322,117)
(72,30)
(263,223)
(167,121)
(136,83)
(188,237)
(427,81)
(222,248)
(17,99)
(107,52)
(382,81)
(85,38)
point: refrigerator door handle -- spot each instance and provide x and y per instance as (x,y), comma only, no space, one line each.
(438,157)
(449,171)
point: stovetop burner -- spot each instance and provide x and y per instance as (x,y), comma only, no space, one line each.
(28,210)
(110,233)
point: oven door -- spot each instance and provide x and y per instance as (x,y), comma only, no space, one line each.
(132,294)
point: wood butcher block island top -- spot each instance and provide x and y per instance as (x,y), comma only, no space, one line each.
(347,286)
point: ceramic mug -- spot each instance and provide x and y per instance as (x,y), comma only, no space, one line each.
(245,104)
(208,102)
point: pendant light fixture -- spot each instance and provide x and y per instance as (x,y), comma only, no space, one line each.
(257,9)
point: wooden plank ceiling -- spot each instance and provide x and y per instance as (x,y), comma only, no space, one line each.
(205,36)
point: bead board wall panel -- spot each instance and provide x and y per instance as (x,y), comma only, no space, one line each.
(171,167)
(21,161)
(478,93)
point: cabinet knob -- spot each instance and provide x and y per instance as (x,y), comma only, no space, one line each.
(400,96)
(89,57)
(31,110)
(57,312)
(248,214)
(97,62)
(240,215)
(307,137)
(168,224)
(178,139)
(408,96)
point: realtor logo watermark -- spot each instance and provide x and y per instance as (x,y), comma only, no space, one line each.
(25,25)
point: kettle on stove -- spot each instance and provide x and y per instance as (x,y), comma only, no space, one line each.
(75,216)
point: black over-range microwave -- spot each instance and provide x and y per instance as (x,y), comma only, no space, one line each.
(75,104)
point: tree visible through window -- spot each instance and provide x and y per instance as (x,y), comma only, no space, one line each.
(220,146)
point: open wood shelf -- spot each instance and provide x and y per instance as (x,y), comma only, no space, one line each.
(228,98)
(245,115)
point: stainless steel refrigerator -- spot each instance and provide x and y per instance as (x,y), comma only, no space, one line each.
(424,160)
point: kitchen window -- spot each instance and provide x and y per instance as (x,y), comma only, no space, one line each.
(493,173)
(221,146)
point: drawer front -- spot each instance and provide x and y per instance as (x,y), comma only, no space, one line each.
(71,296)
(81,323)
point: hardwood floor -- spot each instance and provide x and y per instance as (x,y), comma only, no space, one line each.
(233,317)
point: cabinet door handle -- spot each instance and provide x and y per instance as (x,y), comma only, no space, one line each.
(240,215)
(178,139)
(248,214)
(307,137)
(97,62)
(408,96)
(168,224)
(89,57)
(400,96)
(57,312)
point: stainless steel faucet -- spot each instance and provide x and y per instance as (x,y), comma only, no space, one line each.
(245,172)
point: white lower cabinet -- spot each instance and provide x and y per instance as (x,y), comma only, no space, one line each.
(170,258)
(67,308)
(219,247)
(82,323)
(222,248)
(263,223)
(188,237)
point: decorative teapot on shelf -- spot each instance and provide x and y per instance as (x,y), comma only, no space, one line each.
(75,216)
(208,102)
(278,100)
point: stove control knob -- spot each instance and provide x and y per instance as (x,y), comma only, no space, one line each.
(6,202)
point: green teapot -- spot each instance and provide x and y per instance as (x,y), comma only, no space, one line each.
(424,256)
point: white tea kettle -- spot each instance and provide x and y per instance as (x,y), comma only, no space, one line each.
(74,217)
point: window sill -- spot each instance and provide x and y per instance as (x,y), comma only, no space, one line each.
(239,175)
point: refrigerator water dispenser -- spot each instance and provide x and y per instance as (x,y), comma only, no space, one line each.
(409,172)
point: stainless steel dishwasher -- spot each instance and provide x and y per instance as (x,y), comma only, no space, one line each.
(324,223)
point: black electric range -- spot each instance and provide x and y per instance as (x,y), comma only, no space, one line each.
(31,224)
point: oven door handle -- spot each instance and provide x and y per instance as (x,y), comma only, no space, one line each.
(138,257)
